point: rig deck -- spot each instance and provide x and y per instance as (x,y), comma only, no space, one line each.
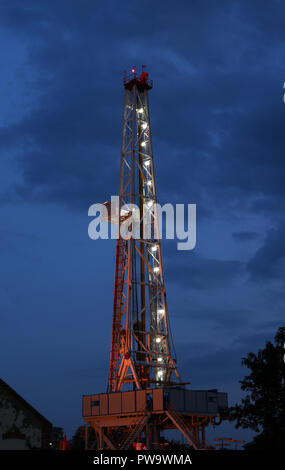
(120,418)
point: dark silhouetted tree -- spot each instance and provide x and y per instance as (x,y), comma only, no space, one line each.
(263,407)
(78,440)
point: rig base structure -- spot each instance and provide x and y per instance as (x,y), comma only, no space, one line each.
(142,355)
(135,419)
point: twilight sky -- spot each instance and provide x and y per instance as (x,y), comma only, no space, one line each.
(217,114)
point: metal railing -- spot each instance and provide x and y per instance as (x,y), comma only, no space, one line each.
(136,76)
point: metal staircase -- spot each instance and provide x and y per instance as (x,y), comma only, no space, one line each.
(179,422)
(133,433)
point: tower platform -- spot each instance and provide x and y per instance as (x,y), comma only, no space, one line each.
(121,418)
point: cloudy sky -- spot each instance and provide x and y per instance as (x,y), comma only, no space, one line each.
(217,115)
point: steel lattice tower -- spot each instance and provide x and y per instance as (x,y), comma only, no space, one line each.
(141,352)
(142,355)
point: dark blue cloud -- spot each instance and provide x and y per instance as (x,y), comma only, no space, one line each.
(196,272)
(78,112)
(217,116)
(268,263)
(245,236)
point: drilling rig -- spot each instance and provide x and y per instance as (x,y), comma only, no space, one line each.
(145,393)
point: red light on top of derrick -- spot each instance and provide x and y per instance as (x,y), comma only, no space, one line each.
(133,70)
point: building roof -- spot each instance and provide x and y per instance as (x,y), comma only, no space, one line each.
(24,402)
